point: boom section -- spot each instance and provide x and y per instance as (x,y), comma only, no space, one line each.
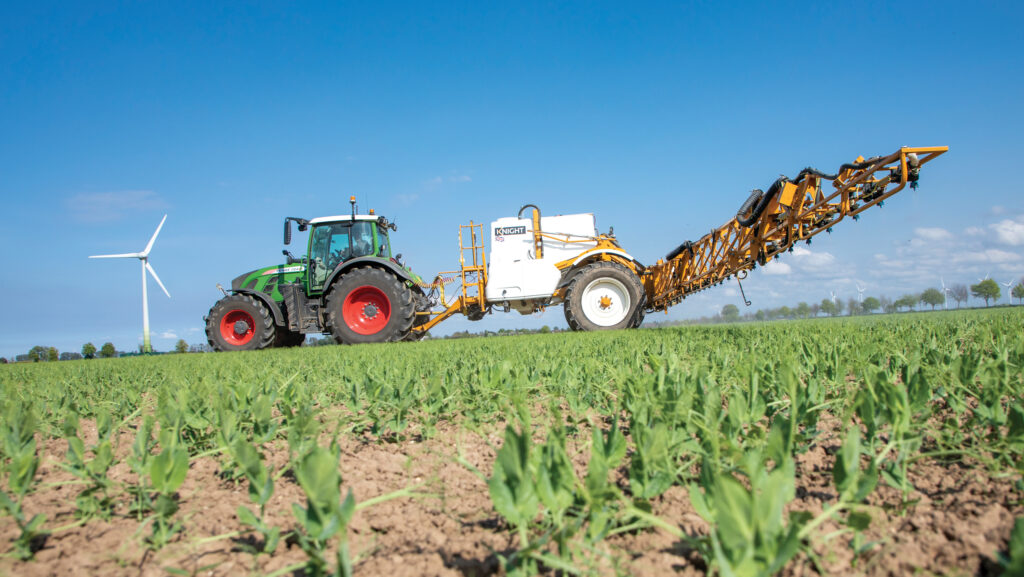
(769,222)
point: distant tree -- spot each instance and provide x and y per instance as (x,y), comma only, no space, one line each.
(730,313)
(181,347)
(853,306)
(870,305)
(545,330)
(37,354)
(803,310)
(839,307)
(759,315)
(828,307)
(70,356)
(909,301)
(959,293)
(52,354)
(1018,292)
(815,309)
(933,297)
(89,350)
(987,289)
(3,360)
(887,305)
(107,351)
(206,348)
(785,312)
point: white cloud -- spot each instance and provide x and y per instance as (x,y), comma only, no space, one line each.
(168,335)
(974,231)
(459,178)
(987,256)
(806,258)
(110,206)
(406,199)
(933,234)
(1009,232)
(776,268)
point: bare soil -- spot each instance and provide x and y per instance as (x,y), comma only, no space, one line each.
(954,523)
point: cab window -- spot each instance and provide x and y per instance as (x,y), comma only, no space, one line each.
(333,244)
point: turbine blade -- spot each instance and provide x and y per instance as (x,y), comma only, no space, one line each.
(125,255)
(152,240)
(157,279)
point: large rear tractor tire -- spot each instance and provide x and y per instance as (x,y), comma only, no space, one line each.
(240,323)
(604,296)
(369,305)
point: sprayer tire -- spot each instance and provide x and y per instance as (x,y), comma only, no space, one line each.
(603,296)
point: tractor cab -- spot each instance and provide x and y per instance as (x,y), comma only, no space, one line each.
(335,240)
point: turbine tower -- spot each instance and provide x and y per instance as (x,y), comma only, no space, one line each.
(860,293)
(144,259)
(945,294)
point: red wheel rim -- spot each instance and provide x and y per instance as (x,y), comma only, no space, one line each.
(366,310)
(237,327)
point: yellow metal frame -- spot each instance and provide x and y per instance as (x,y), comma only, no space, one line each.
(472,277)
(797,213)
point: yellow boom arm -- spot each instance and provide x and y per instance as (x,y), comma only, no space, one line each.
(769,222)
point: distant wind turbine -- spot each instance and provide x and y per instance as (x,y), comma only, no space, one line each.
(860,293)
(144,259)
(945,294)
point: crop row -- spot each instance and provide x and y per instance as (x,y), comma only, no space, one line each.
(721,411)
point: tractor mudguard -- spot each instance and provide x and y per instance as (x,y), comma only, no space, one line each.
(371,261)
(271,305)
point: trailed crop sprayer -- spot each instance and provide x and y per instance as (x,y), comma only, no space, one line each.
(349,284)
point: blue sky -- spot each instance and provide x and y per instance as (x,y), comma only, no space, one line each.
(657,117)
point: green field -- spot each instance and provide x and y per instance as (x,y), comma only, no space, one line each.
(830,446)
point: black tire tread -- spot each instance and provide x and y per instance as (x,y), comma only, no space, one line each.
(267,335)
(403,306)
(576,319)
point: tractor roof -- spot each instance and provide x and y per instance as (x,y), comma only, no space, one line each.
(343,218)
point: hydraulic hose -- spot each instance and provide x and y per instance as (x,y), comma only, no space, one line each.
(758,200)
(762,202)
(526,206)
(685,247)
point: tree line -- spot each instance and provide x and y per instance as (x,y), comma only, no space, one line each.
(987,290)
(42,354)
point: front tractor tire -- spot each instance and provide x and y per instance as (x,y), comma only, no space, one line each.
(240,323)
(604,296)
(369,305)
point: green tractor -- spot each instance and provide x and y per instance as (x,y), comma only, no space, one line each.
(347,285)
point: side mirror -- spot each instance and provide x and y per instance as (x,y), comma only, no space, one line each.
(287,232)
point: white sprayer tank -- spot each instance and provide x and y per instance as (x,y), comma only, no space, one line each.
(515,275)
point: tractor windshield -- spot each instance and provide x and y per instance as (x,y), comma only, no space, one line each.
(335,243)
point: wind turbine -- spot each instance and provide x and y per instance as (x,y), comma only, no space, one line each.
(945,293)
(833,293)
(144,259)
(860,293)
